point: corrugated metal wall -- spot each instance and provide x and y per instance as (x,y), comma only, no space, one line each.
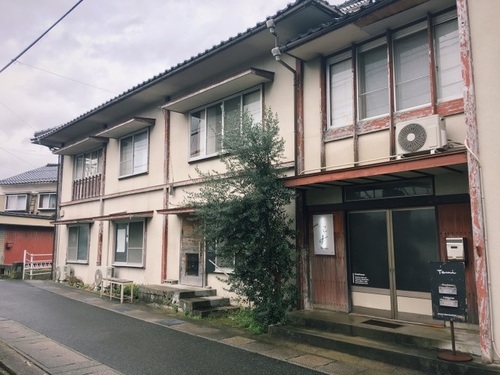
(35,240)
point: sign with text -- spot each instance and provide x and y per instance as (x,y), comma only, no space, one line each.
(448,291)
(323,235)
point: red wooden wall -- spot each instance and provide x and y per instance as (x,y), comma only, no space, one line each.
(35,240)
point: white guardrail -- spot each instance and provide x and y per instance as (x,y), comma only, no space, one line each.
(36,264)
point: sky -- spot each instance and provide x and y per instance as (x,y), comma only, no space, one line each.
(98,51)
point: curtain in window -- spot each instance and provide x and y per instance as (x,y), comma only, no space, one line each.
(341,101)
(449,75)
(373,85)
(16,202)
(252,106)
(411,69)
(126,156)
(140,152)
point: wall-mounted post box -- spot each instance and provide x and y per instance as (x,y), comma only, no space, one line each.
(455,248)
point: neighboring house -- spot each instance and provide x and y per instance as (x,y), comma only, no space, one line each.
(387,109)
(28,204)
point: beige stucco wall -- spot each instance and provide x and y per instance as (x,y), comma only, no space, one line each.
(486,57)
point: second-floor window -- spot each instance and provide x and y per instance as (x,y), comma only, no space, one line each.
(47,201)
(88,164)
(410,68)
(134,154)
(208,125)
(16,202)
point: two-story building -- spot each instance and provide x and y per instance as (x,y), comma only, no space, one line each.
(387,112)
(27,208)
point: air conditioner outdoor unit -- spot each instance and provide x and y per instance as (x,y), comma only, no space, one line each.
(426,134)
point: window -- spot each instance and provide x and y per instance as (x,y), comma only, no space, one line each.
(218,264)
(47,201)
(449,75)
(78,243)
(208,125)
(134,154)
(16,202)
(410,68)
(373,82)
(129,243)
(88,164)
(341,86)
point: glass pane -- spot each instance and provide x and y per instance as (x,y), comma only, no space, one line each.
(192,264)
(126,156)
(415,245)
(72,243)
(135,235)
(449,75)
(78,167)
(134,255)
(368,249)
(141,152)
(52,201)
(83,242)
(214,129)
(197,123)
(341,86)
(121,241)
(252,106)
(409,188)
(373,84)
(232,115)
(411,68)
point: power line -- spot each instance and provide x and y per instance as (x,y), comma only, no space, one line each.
(15,114)
(40,37)
(68,78)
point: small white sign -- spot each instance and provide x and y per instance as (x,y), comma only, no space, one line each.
(324,243)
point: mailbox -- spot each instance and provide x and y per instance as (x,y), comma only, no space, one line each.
(455,249)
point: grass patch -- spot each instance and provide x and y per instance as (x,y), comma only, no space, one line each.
(242,319)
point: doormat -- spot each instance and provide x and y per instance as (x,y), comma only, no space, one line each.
(381,323)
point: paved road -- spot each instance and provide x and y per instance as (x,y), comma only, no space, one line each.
(123,343)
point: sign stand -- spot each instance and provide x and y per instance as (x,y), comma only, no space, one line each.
(449,301)
(453,355)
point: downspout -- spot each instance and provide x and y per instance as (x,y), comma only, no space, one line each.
(55,241)
(475,188)
(298,125)
(166,194)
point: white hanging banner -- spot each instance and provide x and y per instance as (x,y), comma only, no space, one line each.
(324,243)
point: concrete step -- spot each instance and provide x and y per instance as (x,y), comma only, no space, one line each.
(202,303)
(214,311)
(422,359)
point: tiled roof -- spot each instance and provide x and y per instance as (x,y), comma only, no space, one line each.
(44,133)
(40,175)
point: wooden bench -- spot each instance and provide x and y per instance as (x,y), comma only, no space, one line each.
(111,282)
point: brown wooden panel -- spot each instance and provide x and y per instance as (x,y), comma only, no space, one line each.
(329,272)
(455,221)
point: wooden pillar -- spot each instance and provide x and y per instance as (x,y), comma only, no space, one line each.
(475,188)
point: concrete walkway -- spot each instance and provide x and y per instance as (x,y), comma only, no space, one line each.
(27,352)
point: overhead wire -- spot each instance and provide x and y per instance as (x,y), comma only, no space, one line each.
(40,37)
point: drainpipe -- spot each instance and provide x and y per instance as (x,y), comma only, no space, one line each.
(298,125)
(475,188)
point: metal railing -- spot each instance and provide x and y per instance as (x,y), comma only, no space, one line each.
(36,264)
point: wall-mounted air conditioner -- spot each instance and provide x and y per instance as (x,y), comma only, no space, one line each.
(426,134)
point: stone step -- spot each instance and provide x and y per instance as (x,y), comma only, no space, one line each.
(202,303)
(411,357)
(214,311)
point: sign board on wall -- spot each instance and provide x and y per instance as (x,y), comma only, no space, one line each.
(448,291)
(324,243)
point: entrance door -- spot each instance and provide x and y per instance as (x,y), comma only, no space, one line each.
(191,267)
(390,251)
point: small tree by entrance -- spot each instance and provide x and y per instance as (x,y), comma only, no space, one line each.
(245,218)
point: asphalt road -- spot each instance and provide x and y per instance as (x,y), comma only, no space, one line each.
(128,345)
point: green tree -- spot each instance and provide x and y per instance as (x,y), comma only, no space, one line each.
(243,212)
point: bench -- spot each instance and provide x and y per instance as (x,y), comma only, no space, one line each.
(111,282)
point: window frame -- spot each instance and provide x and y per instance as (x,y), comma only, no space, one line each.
(133,160)
(218,267)
(17,196)
(49,194)
(84,260)
(337,60)
(84,173)
(446,105)
(202,131)
(126,243)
